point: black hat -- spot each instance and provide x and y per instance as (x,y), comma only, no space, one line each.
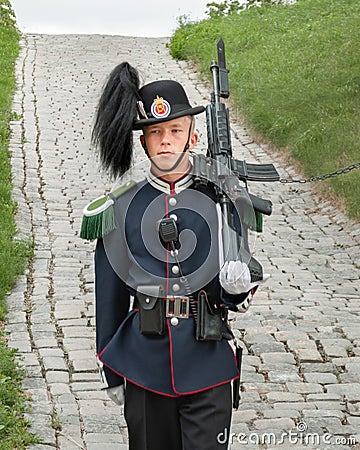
(161,101)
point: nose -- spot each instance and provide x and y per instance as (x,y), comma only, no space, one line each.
(165,137)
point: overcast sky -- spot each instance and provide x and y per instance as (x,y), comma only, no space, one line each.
(150,18)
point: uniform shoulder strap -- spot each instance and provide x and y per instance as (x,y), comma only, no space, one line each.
(98,215)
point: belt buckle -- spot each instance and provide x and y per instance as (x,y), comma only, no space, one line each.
(177,307)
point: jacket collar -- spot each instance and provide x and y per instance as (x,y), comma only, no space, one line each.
(170,187)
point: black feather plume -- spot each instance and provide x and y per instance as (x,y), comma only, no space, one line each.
(115,116)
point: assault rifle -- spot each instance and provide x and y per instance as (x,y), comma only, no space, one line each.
(225,173)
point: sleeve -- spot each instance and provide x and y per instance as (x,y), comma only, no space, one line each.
(231,301)
(112,305)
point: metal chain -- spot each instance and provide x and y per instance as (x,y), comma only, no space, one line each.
(321,177)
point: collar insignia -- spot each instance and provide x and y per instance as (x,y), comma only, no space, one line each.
(160,108)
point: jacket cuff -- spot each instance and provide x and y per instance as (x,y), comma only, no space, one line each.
(108,378)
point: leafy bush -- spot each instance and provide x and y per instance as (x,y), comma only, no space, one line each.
(229,7)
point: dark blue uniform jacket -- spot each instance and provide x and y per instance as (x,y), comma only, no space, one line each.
(133,255)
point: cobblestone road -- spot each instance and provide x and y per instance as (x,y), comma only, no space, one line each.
(301,369)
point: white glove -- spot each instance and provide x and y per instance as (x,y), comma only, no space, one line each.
(235,278)
(116,394)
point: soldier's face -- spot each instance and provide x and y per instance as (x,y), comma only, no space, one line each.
(165,142)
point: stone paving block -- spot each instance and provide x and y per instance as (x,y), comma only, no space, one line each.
(327,405)
(350,391)
(325,397)
(79,343)
(83,365)
(283,377)
(59,388)
(251,397)
(278,413)
(86,377)
(304,388)
(351,332)
(27,359)
(336,347)
(57,376)
(252,338)
(22,346)
(295,344)
(41,447)
(66,410)
(348,360)
(324,413)
(277,358)
(307,355)
(67,442)
(41,426)
(34,383)
(251,377)
(77,322)
(319,368)
(274,424)
(322,378)
(276,397)
(94,423)
(54,363)
(293,335)
(33,371)
(74,332)
(84,386)
(279,367)
(115,438)
(105,446)
(49,340)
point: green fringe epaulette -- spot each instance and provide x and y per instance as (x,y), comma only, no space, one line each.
(98,219)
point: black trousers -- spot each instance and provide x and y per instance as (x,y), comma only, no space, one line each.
(192,422)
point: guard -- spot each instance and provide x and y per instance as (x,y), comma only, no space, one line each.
(162,291)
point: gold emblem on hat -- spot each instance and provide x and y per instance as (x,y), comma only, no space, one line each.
(160,105)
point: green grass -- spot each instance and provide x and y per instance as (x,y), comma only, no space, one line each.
(295,78)
(14,254)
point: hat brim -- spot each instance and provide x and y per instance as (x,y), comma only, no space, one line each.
(139,124)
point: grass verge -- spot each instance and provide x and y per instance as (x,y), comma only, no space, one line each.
(14,254)
(294,77)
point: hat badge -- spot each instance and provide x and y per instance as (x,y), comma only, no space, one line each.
(160,108)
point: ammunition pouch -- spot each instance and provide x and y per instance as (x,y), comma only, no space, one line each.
(209,323)
(151,310)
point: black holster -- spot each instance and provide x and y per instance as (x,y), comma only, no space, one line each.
(151,310)
(209,322)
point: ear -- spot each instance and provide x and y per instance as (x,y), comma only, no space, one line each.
(142,141)
(193,140)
